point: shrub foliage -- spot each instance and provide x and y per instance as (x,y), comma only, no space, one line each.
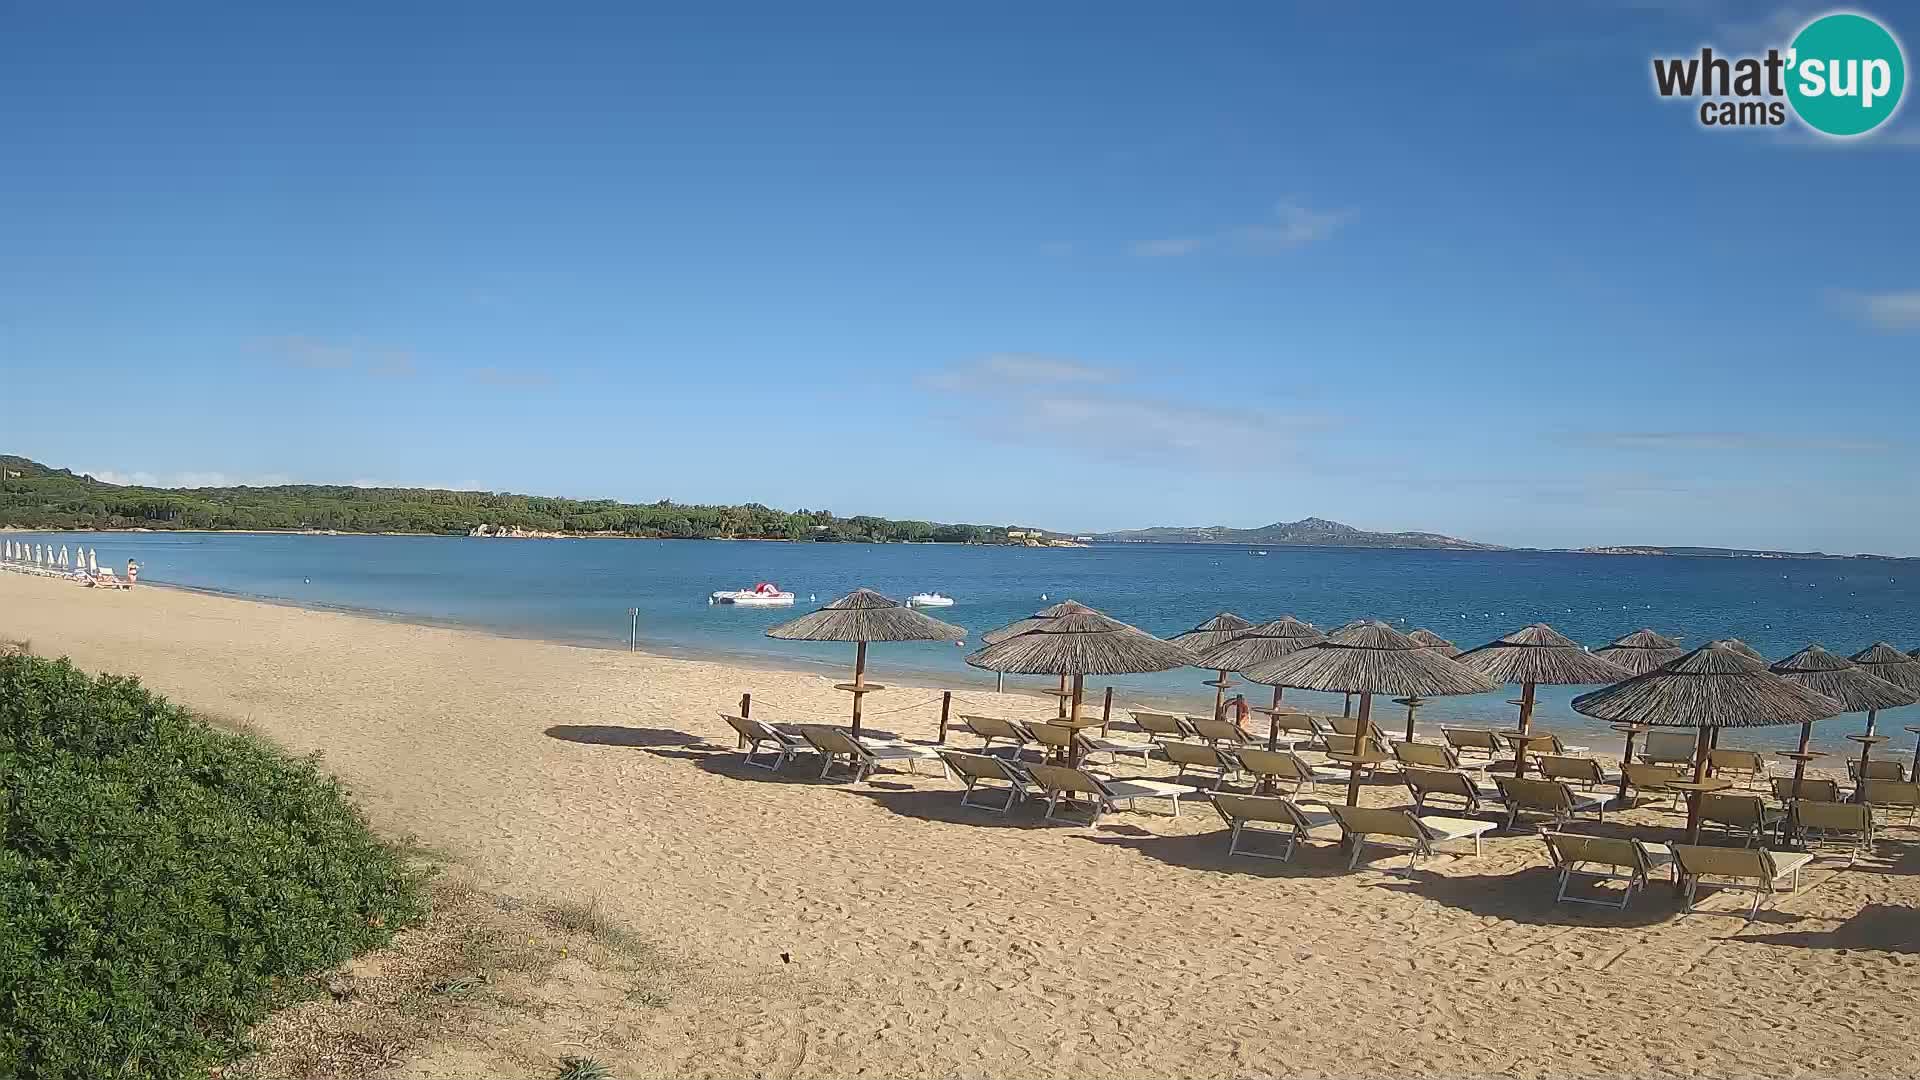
(163,884)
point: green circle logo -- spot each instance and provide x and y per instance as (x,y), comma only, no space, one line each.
(1845,74)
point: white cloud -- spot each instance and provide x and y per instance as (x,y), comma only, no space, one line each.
(1892,311)
(1000,370)
(313,354)
(1292,226)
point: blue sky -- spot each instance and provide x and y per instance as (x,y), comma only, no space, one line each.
(1087,266)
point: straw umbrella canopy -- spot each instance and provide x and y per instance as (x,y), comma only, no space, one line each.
(1743,649)
(861,616)
(1218,630)
(1641,651)
(1856,689)
(1031,622)
(1257,645)
(1078,644)
(1715,686)
(1533,655)
(1430,640)
(1369,658)
(1895,667)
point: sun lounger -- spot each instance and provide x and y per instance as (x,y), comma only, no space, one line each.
(1740,766)
(1644,779)
(1428,755)
(105,580)
(1851,823)
(1451,783)
(1011,732)
(755,734)
(1285,767)
(1058,782)
(1243,812)
(1223,733)
(1881,769)
(1297,730)
(1161,726)
(1756,870)
(1552,798)
(1894,795)
(1362,823)
(977,769)
(1345,744)
(1747,816)
(1191,755)
(1481,741)
(1668,748)
(1551,746)
(864,757)
(1584,771)
(1618,859)
(1350,726)
(1061,737)
(1815,788)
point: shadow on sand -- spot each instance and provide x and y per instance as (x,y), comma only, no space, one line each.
(616,735)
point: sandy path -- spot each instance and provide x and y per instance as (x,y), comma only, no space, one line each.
(927,941)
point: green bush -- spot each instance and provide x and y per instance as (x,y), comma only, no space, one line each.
(163,884)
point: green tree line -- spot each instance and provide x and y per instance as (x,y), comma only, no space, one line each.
(37,497)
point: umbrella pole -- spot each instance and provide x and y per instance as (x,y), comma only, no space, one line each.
(1526,721)
(1073,750)
(1410,709)
(1219,694)
(1273,727)
(1701,749)
(1913,774)
(859,680)
(1625,757)
(1346,708)
(1063,698)
(1359,745)
(1866,755)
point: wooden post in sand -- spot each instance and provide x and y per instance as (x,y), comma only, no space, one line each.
(746,710)
(633,634)
(946,707)
(1106,712)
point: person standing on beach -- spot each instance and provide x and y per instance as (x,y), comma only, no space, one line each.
(133,572)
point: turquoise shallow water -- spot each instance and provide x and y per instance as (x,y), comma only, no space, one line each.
(580,591)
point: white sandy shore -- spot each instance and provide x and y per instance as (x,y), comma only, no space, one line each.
(930,941)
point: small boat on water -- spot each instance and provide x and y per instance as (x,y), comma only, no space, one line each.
(929,599)
(1256,551)
(765,594)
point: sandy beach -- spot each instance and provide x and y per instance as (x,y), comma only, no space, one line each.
(928,940)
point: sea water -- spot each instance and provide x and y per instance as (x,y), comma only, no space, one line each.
(582,591)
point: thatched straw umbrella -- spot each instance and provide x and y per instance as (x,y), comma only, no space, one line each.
(1257,645)
(1712,687)
(1856,689)
(1038,618)
(1743,649)
(861,616)
(1369,658)
(1428,640)
(1895,667)
(1641,651)
(1218,630)
(1533,655)
(1079,644)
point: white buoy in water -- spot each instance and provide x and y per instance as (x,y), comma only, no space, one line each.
(1043,596)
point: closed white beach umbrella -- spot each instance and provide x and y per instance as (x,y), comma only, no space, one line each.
(63,556)
(36,554)
(93,561)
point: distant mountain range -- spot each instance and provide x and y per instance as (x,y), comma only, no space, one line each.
(1307,532)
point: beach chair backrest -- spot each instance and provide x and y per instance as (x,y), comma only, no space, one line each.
(1198,755)
(1342,744)
(1668,747)
(1740,761)
(1057,736)
(1899,794)
(1060,778)
(975,766)
(1724,808)
(1344,725)
(1159,723)
(1268,808)
(745,728)
(1650,777)
(1569,848)
(1284,764)
(829,740)
(1581,770)
(1212,730)
(993,727)
(1814,788)
(1724,861)
(1299,724)
(1482,739)
(1833,816)
(1526,793)
(1425,755)
(1379,821)
(1426,782)
(1882,769)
